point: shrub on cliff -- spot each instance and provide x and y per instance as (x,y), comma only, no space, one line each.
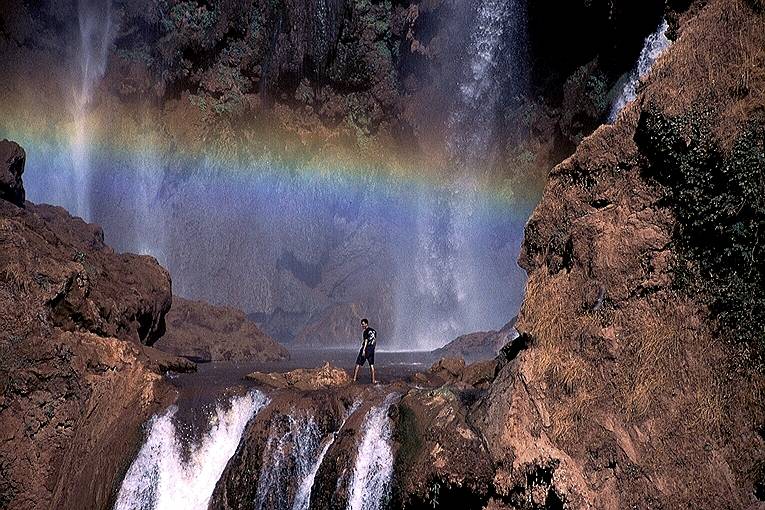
(718,197)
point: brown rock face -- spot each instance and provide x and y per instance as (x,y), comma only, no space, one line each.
(441,461)
(62,264)
(76,382)
(450,367)
(625,396)
(204,332)
(12,159)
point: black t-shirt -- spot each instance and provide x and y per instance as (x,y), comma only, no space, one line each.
(370,336)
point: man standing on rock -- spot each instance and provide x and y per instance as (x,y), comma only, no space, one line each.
(367,352)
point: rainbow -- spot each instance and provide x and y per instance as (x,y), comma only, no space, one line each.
(182,134)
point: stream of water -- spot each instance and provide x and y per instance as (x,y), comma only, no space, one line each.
(168,474)
(655,45)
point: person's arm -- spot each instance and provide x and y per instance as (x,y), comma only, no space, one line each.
(364,347)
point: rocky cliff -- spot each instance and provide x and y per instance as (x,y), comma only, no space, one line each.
(641,384)
(76,378)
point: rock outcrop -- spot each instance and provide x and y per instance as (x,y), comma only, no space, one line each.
(454,371)
(481,345)
(77,382)
(628,392)
(419,447)
(270,463)
(12,159)
(304,379)
(203,332)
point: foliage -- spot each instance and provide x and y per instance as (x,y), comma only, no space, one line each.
(408,436)
(718,197)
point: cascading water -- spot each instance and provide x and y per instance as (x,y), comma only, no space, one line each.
(655,44)
(288,458)
(370,483)
(456,287)
(162,477)
(303,496)
(96,33)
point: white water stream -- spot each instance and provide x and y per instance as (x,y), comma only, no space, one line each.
(655,44)
(370,484)
(162,478)
(287,458)
(303,496)
(96,33)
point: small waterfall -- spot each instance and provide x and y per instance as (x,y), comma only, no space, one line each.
(303,496)
(287,459)
(370,484)
(162,477)
(96,33)
(655,44)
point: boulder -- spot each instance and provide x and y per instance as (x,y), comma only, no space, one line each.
(449,368)
(303,378)
(479,374)
(12,159)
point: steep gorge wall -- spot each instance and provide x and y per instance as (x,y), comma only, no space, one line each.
(636,388)
(76,381)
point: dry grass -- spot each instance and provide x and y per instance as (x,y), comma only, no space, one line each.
(653,351)
(723,69)
(671,374)
(557,362)
(16,278)
(550,314)
(662,370)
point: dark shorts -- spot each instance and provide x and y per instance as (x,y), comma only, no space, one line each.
(370,357)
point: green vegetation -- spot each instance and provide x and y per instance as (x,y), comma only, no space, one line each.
(408,438)
(718,197)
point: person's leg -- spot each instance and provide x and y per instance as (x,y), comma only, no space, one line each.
(356,372)
(372,370)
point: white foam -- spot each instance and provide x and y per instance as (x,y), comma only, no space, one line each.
(655,44)
(303,496)
(161,479)
(370,484)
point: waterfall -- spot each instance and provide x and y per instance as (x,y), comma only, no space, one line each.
(454,284)
(303,496)
(95,36)
(162,477)
(655,44)
(287,458)
(370,483)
